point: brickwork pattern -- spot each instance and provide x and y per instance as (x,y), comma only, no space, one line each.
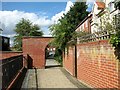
(8,54)
(97,65)
(69,60)
(35,48)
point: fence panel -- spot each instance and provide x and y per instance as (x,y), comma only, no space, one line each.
(10,67)
(101,35)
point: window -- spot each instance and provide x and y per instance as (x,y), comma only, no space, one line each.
(6,40)
(111,6)
(82,27)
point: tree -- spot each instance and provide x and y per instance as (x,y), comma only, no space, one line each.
(25,28)
(115,37)
(64,30)
(117,4)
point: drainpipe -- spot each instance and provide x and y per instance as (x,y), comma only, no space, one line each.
(75,61)
(76,58)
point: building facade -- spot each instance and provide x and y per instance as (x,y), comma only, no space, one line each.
(99,11)
(85,25)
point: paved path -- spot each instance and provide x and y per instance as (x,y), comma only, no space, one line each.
(51,63)
(55,77)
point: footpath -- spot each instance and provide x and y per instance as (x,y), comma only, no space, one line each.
(53,76)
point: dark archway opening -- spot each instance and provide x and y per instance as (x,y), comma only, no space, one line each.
(49,52)
(49,57)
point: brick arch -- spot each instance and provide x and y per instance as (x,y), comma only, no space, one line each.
(35,48)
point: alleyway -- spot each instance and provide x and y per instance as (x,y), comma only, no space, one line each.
(53,76)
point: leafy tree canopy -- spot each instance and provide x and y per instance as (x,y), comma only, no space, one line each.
(65,28)
(25,28)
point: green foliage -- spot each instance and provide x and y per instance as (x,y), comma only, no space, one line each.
(106,22)
(64,30)
(117,4)
(79,34)
(75,36)
(25,28)
(58,55)
(115,38)
(112,26)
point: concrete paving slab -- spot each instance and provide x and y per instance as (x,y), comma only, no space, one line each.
(51,62)
(53,78)
(30,79)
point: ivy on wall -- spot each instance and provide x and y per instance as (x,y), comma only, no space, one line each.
(115,38)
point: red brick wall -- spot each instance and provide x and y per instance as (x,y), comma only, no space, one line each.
(35,48)
(97,65)
(68,60)
(7,54)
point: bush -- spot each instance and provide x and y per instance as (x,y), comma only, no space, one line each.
(115,39)
(58,56)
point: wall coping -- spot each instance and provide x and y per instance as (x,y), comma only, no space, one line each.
(35,37)
(94,42)
(11,51)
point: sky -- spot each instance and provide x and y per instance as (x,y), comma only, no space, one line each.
(42,13)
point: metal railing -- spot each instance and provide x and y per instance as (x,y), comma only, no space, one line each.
(9,68)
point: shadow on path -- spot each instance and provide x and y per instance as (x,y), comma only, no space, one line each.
(53,76)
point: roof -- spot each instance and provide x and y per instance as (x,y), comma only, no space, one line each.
(101,5)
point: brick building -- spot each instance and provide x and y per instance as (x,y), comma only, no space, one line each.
(85,25)
(99,13)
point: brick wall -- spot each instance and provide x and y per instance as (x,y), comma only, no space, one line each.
(7,54)
(35,48)
(97,65)
(69,60)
